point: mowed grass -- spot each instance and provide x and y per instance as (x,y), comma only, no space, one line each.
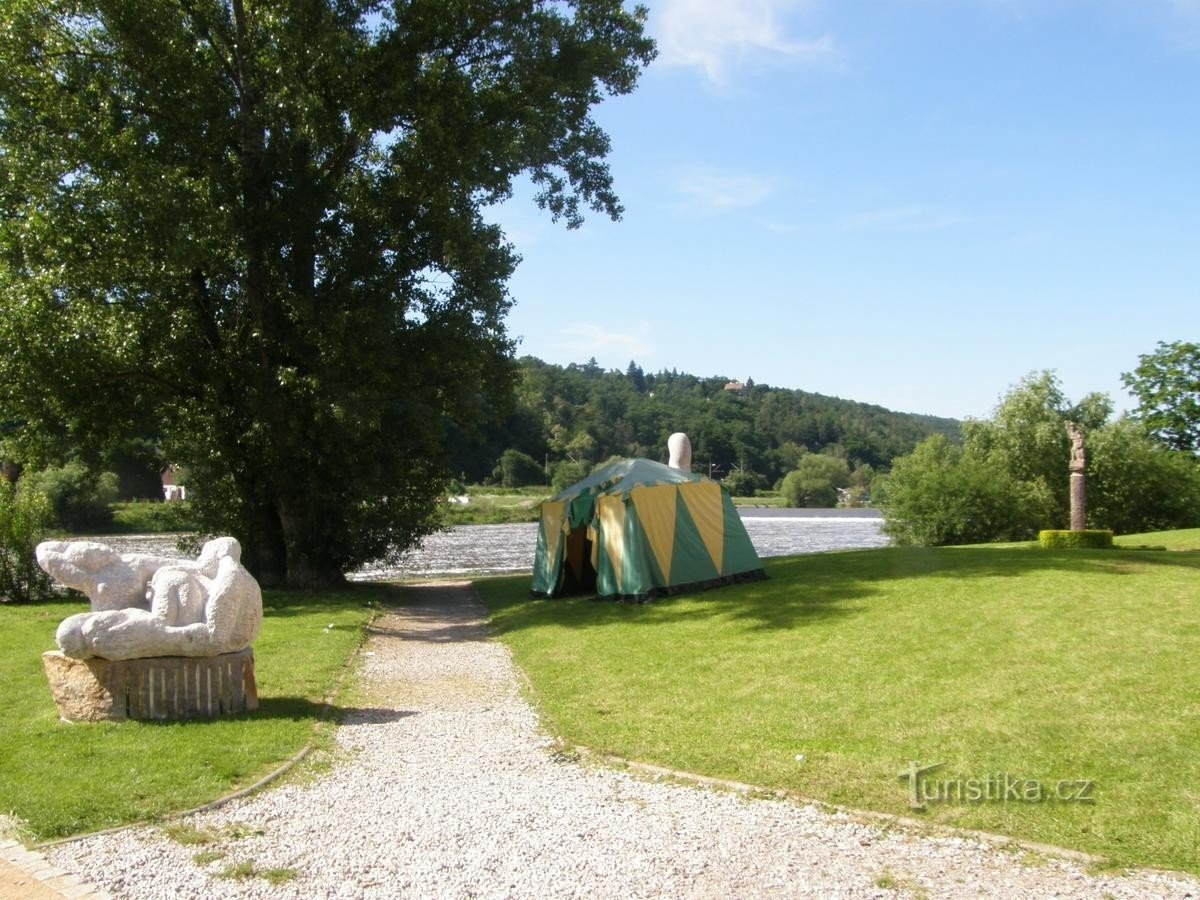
(1183,539)
(1068,666)
(62,779)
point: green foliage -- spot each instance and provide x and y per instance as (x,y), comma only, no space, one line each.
(743,483)
(1011,478)
(1091,539)
(263,230)
(583,413)
(1166,384)
(1027,435)
(566,473)
(144,517)
(943,494)
(517,469)
(25,514)
(80,499)
(1134,483)
(815,481)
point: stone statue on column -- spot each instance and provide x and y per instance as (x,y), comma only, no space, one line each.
(1077,466)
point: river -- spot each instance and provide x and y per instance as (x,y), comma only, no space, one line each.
(468,550)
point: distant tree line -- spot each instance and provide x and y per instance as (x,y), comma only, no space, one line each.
(566,419)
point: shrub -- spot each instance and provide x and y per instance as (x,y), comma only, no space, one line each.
(517,469)
(24,516)
(744,483)
(815,481)
(566,473)
(80,499)
(1135,484)
(939,494)
(1092,539)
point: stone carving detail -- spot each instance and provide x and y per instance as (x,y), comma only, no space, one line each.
(1076,466)
(1078,454)
(147,606)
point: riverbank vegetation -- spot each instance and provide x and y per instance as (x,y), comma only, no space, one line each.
(843,670)
(1009,477)
(70,779)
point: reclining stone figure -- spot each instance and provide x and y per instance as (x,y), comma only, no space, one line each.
(144,606)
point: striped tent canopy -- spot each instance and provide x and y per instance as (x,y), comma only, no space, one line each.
(636,529)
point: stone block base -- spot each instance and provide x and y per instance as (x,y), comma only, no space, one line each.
(159,687)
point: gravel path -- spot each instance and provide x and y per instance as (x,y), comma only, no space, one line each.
(444,786)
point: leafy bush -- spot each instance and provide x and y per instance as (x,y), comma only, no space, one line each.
(79,498)
(815,480)
(1093,539)
(517,469)
(1136,484)
(744,483)
(940,494)
(566,473)
(24,516)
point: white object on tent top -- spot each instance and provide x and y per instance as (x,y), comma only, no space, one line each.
(680,450)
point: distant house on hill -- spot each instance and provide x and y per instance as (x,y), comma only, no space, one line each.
(735,387)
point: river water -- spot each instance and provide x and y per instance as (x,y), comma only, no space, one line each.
(468,550)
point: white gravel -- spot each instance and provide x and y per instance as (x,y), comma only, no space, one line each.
(445,786)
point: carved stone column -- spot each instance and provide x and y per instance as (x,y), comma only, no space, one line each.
(1078,488)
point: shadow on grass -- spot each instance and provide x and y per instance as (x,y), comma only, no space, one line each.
(298,709)
(820,587)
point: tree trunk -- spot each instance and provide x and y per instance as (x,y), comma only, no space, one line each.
(263,551)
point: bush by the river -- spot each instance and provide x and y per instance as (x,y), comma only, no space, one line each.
(1010,478)
(24,516)
(80,499)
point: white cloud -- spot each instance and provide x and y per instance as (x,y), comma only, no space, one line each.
(716,191)
(900,218)
(583,340)
(714,35)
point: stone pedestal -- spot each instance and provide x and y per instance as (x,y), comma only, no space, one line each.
(1078,504)
(157,687)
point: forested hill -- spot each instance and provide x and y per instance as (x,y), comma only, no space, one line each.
(582,414)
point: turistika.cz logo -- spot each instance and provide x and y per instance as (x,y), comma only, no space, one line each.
(995,787)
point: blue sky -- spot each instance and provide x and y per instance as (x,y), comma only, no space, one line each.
(905,202)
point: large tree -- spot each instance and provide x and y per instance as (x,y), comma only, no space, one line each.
(1166,384)
(261,224)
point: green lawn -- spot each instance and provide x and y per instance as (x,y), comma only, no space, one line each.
(1183,539)
(64,779)
(1036,665)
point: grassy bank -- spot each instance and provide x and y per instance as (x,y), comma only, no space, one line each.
(491,505)
(1183,539)
(67,779)
(152,518)
(835,675)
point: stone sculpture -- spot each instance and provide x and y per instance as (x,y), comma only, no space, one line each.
(148,606)
(680,450)
(166,638)
(1076,467)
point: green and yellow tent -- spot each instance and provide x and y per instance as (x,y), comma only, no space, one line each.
(636,529)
